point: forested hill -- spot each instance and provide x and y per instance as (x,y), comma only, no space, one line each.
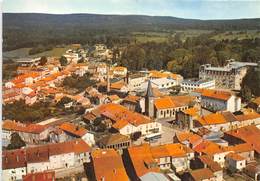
(25,29)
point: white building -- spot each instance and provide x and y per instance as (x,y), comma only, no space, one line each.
(72,57)
(216,100)
(235,162)
(189,85)
(227,77)
(160,83)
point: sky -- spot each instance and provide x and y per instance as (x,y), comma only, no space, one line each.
(194,9)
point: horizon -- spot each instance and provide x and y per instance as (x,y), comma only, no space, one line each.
(185,9)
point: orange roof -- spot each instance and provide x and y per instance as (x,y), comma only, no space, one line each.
(192,111)
(209,148)
(117,85)
(29,128)
(114,97)
(141,157)
(131,98)
(173,101)
(73,129)
(188,136)
(249,134)
(13,159)
(158,74)
(256,101)
(173,150)
(202,174)
(118,112)
(211,164)
(240,148)
(214,118)
(248,116)
(119,68)
(235,156)
(215,94)
(108,165)
(41,176)
(120,124)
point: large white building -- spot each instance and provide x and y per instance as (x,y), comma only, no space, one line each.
(217,100)
(227,77)
(189,85)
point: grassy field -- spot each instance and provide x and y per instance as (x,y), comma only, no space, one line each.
(24,52)
(143,37)
(240,35)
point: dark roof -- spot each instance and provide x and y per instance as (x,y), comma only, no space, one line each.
(201,174)
(211,164)
(229,116)
(14,159)
(37,154)
(149,92)
(114,139)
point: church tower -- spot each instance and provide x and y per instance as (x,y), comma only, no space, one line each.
(149,100)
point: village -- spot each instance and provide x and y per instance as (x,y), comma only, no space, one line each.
(106,122)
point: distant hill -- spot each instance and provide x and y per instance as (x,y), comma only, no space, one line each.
(29,29)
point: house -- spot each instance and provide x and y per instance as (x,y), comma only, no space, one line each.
(64,155)
(248,134)
(115,141)
(72,57)
(127,122)
(140,161)
(41,176)
(187,138)
(31,98)
(168,106)
(216,169)
(172,156)
(244,149)
(204,174)
(154,74)
(30,133)
(161,83)
(188,85)
(119,86)
(235,162)
(255,104)
(185,118)
(135,81)
(114,99)
(28,61)
(214,151)
(220,121)
(13,165)
(133,103)
(218,100)
(108,165)
(73,131)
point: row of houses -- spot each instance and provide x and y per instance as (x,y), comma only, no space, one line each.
(66,155)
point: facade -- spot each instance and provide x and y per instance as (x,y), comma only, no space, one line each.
(168,106)
(227,77)
(115,141)
(188,85)
(216,100)
(235,162)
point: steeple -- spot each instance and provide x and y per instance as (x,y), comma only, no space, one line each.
(149,91)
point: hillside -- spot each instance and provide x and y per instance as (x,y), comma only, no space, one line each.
(29,29)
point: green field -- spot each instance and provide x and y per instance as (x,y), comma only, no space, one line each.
(24,52)
(143,37)
(240,35)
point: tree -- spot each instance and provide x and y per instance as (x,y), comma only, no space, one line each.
(16,142)
(63,61)
(136,135)
(251,82)
(64,100)
(246,93)
(43,60)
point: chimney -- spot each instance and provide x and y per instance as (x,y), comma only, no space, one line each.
(102,178)
(17,158)
(114,170)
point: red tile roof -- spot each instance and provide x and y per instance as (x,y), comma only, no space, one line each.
(235,156)
(29,128)
(118,112)
(209,148)
(40,176)
(108,165)
(249,134)
(141,157)
(215,94)
(73,129)
(173,101)
(13,159)
(201,174)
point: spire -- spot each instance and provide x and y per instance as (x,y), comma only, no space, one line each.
(149,91)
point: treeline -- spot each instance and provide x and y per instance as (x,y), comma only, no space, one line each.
(30,29)
(186,57)
(39,49)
